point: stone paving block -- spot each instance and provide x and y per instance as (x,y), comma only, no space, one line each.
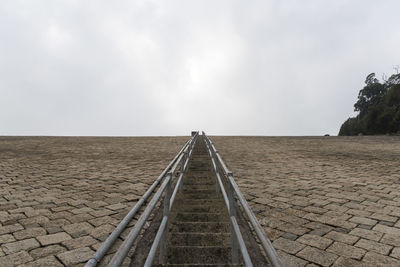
(315,241)
(21,210)
(360,213)
(81,210)
(362,220)
(6,229)
(330,220)
(287,245)
(395,253)
(370,245)
(11,218)
(341,237)
(290,260)
(22,245)
(116,206)
(101,213)
(290,236)
(317,256)
(367,234)
(15,259)
(84,241)
(273,234)
(82,217)
(29,232)
(59,209)
(7,238)
(79,255)
(383,217)
(78,229)
(34,220)
(60,215)
(103,220)
(346,262)
(375,259)
(386,229)
(314,209)
(102,232)
(47,261)
(53,238)
(37,212)
(46,251)
(291,228)
(348,251)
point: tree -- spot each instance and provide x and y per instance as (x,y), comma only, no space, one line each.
(378,105)
(370,95)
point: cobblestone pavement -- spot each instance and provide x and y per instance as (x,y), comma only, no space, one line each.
(60,197)
(323,201)
(329,201)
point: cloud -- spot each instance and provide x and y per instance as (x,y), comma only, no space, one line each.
(167,67)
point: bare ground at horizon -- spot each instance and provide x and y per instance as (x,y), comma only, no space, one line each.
(330,201)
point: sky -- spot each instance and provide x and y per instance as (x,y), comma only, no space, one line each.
(134,68)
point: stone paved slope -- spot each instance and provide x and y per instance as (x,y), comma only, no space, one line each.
(330,201)
(60,197)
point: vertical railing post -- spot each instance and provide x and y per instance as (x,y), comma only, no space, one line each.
(185,156)
(232,213)
(216,171)
(164,238)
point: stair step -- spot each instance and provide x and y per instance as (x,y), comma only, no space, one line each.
(213,195)
(200,217)
(214,207)
(200,227)
(210,255)
(199,191)
(198,187)
(207,201)
(199,265)
(187,182)
(200,239)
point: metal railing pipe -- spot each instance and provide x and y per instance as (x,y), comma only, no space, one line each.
(157,239)
(162,232)
(266,244)
(123,250)
(242,245)
(122,225)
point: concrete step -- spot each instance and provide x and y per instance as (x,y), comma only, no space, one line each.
(199,173)
(200,239)
(199,254)
(199,265)
(208,190)
(198,187)
(199,227)
(214,207)
(189,182)
(200,217)
(213,195)
(191,202)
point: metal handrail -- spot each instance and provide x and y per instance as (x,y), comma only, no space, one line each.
(162,233)
(100,253)
(123,250)
(236,235)
(217,161)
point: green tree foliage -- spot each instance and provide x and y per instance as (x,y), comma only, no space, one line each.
(378,105)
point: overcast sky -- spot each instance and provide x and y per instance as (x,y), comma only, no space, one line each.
(268,67)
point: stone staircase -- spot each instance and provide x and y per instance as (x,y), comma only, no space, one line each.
(199,223)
